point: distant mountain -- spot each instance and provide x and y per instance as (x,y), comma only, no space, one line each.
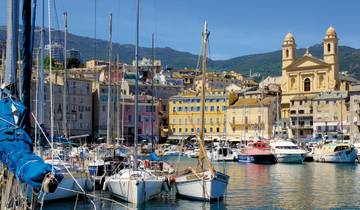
(266,63)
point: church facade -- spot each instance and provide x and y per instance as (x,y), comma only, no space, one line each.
(307,76)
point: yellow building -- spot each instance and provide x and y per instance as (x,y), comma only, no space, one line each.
(184,113)
(307,75)
(249,118)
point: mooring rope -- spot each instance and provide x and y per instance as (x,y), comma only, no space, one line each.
(99,197)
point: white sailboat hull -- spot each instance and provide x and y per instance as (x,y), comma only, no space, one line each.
(203,189)
(135,191)
(67,183)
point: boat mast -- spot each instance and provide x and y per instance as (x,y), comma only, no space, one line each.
(203,154)
(277,115)
(41,75)
(2,66)
(108,140)
(122,106)
(65,129)
(152,91)
(12,44)
(51,83)
(136,83)
(117,103)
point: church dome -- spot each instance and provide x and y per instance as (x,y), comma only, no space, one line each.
(289,37)
(331,31)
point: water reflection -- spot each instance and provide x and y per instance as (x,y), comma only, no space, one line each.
(252,186)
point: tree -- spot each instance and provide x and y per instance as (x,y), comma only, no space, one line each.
(73,63)
(47,62)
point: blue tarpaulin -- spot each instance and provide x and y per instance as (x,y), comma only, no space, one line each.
(154,157)
(16,147)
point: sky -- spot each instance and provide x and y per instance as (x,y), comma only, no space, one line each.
(237,27)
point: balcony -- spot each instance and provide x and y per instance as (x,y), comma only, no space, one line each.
(305,126)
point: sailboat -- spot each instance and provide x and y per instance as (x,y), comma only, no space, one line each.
(22,166)
(201,184)
(77,180)
(133,184)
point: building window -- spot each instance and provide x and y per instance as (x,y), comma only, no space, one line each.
(186,130)
(211,130)
(212,108)
(198,130)
(328,47)
(179,130)
(192,130)
(217,130)
(173,130)
(287,53)
(307,84)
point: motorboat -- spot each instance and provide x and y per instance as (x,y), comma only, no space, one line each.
(258,152)
(335,153)
(222,153)
(286,151)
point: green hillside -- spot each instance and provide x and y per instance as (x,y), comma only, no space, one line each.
(265,63)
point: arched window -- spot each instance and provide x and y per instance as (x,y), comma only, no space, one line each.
(287,53)
(307,84)
(328,47)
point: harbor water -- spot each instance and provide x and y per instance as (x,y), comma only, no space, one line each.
(253,186)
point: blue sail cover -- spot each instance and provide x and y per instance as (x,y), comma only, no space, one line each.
(16,147)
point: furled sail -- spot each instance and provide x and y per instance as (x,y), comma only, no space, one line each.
(16,147)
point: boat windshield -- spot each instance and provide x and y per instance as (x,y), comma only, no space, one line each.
(287,147)
(340,148)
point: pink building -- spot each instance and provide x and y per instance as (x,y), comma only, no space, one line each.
(148,114)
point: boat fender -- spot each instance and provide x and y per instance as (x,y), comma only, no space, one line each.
(146,164)
(171,179)
(50,183)
(104,185)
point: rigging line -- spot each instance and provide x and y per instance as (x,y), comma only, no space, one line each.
(199,58)
(209,49)
(99,197)
(57,35)
(56,154)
